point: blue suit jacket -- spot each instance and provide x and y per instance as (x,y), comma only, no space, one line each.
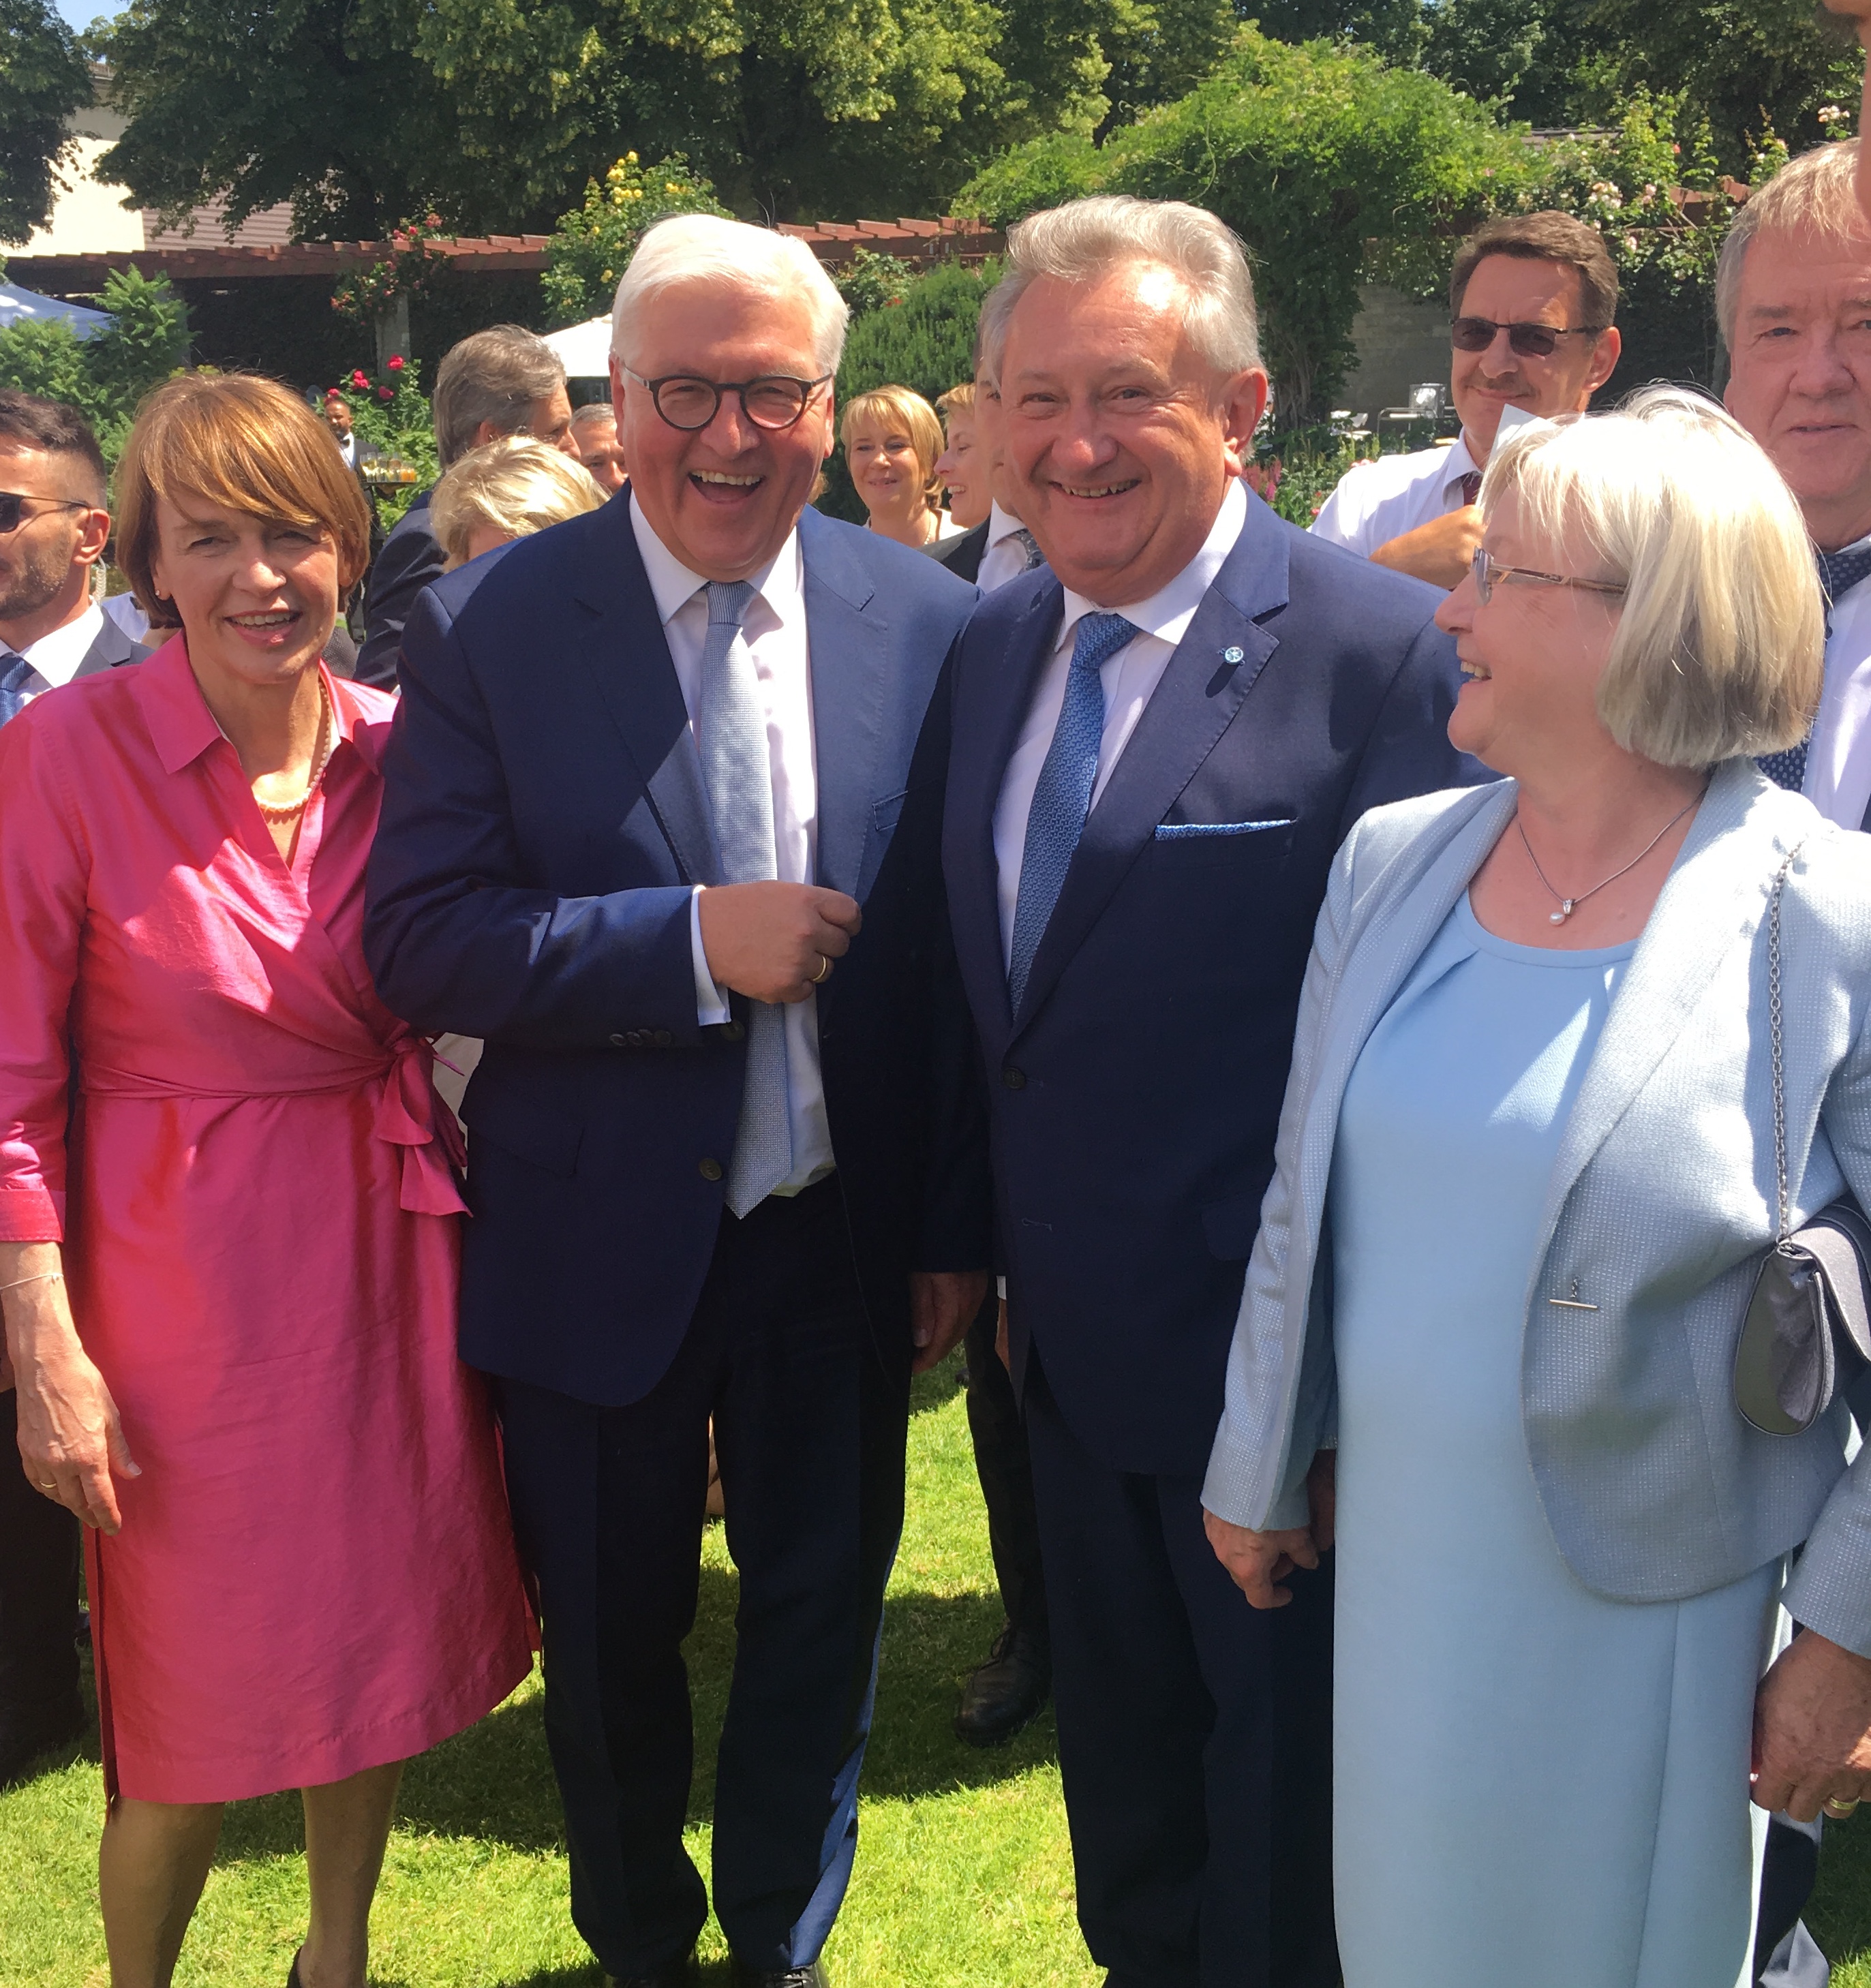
(1136,1093)
(544,818)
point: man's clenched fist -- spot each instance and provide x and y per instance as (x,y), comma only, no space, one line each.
(771,942)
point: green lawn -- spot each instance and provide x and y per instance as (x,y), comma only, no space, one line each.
(964,1879)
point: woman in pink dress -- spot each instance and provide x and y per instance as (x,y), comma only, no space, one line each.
(228,1213)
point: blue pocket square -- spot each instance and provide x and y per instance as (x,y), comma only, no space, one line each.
(1177,831)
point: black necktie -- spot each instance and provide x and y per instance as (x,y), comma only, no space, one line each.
(1838,573)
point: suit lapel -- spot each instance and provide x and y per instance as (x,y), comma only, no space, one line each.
(991,701)
(1216,665)
(629,661)
(848,690)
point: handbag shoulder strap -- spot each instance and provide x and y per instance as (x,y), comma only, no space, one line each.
(1776,1039)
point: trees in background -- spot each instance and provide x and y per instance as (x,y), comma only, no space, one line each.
(106,375)
(43,79)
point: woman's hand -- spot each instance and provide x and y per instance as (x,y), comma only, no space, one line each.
(1257,1562)
(1812,1730)
(70,1439)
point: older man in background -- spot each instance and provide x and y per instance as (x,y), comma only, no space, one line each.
(661,824)
(595,435)
(1159,745)
(1532,296)
(503,381)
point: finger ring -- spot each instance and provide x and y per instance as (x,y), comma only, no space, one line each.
(1839,1806)
(49,1484)
(824,972)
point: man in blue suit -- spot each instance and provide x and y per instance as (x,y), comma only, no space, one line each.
(1155,754)
(661,823)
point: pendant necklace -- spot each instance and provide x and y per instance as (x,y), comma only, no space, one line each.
(1568,905)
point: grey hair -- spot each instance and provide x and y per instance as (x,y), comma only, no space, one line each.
(495,375)
(734,255)
(592,411)
(1815,193)
(1079,243)
(1719,643)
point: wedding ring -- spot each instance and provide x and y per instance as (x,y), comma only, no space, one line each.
(824,972)
(1838,1807)
(50,1484)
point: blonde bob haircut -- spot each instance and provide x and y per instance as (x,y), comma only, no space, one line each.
(517,484)
(246,443)
(899,411)
(1719,648)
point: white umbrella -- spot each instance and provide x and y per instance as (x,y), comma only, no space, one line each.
(18,306)
(583,349)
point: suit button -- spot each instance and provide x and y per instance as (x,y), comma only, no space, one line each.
(619,1043)
(1014,1079)
(662,1039)
(710,1170)
(732,1032)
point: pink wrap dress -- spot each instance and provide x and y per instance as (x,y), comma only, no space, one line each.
(239,1147)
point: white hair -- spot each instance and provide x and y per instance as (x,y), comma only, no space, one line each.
(731,255)
(1085,239)
(1719,645)
(1814,194)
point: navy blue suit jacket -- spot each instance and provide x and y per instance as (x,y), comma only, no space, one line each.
(1136,1093)
(544,818)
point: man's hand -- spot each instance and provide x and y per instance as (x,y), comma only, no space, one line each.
(943,1305)
(1002,1350)
(1441,552)
(1812,1728)
(770,941)
(1257,1562)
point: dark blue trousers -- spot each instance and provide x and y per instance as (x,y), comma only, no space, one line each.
(608,1503)
(1194,1732)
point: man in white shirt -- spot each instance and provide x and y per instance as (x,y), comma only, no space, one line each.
(1532,297)
(54,526)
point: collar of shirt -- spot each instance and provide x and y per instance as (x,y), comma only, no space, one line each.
(57,657)
(779,586)
(1167,613)
(1000,525)
(1460,463)
(347,448)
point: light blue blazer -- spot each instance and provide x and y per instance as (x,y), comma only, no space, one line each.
(1661,1203)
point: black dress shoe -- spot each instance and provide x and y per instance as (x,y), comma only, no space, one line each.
(1007,1691)
(813,1977)
(671,1974)
(22,1740)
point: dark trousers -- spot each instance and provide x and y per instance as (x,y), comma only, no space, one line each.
(1006,1471)
(608,1503)
(39,1594)
(1194,1732)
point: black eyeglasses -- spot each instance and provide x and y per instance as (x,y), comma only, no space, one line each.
(1489,573)
(1531,341)
(774,402)
(13,505)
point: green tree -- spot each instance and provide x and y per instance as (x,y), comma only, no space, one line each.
(1332,166)
(592,244)
(106,375)
(43,79)
(1532,58)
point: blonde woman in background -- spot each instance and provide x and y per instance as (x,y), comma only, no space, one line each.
(970,492)
(506,490)
(891,440)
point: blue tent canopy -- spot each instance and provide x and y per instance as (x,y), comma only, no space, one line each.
(17,306)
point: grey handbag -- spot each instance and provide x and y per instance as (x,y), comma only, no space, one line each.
(1807,1336)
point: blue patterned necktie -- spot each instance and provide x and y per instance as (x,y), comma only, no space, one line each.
(731,732)
(1838,573)
(1062,795)
(15,674)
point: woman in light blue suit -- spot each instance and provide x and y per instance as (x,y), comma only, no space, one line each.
(1526,1179)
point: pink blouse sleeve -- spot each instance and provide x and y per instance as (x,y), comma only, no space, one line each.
(45,869)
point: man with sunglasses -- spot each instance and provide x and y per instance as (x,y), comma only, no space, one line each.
(54,525)
(1533,297)
(661,823)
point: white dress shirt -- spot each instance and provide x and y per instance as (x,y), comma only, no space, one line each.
(1130,678)
(1380,500)
(1838,760)
(775,635)
(55,657)
(1004,556)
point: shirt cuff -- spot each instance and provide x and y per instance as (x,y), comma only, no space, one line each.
(711,1007)
(1000,1289)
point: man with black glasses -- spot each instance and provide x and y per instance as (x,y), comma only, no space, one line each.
(1532,296)
(661,823)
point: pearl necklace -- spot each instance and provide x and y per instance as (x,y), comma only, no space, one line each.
(321,758)
(1568,905)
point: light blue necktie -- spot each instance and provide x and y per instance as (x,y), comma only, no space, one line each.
(15,674)
(1062,795)
(1838,573)
(731,731)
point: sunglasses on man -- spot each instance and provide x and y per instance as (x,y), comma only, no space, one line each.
(13,508)
(1531,341)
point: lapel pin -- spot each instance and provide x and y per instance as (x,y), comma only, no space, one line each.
(1231,655)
